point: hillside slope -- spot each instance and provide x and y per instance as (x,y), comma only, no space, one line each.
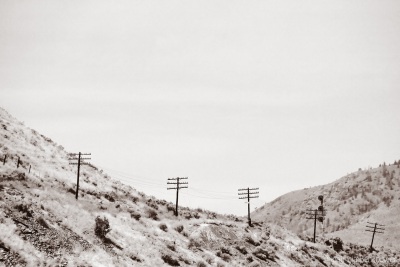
(371,195)
(112,224)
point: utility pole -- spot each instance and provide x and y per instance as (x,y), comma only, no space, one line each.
(247,193)
(312,215)
(79,163)
(376,229)
(30,168)
(18,162)
(4,160)
(317,214)
(178,184)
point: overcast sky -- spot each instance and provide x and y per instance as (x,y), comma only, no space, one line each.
(279,95)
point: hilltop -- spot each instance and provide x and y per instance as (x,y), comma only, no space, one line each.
(369,195)
(112,224)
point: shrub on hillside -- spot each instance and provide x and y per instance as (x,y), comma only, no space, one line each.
(264,254)
(250,240)
(161,202)
(102,227)
(241,249)
(249,259)
(211,215)
(152,214)
(201,264)
(224,253)
(24,209)
(226,250)
(179,228)
(224,256)
(188,262)
(135,215)
(163,227)
(336,243)
(135,257)
(209,260)
(171,246)
(70,190)
(193,243)
(170,208)
(109,197)
(135,199)
(152,204)
(169,260)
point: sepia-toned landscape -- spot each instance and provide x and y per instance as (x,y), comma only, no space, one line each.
(199,133)
(112,224)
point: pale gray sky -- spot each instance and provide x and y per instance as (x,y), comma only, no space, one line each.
(279,95)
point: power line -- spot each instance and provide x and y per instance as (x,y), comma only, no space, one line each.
(193,191)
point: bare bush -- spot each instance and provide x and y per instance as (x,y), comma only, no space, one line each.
(102,227)
(179,228)
(24,209)
(193,243)
(251,240)
(135,215)
(264,254)
(152,214)
(171,246)
(242,249)
(169,260)
(163,227)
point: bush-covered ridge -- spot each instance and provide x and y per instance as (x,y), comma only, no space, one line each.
(371,195)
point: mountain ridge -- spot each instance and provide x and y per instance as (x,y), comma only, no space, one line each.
(350,202)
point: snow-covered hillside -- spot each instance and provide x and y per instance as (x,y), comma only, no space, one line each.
(112,224)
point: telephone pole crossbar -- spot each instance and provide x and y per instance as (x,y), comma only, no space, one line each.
(80,161)
(177,182)
(245,193)
(375,229)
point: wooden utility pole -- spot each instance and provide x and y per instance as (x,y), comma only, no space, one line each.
(247,193)
(376,229)
(312,215)
(18,162)
(178,184)
(79,163)
(317,214)
(4,160)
